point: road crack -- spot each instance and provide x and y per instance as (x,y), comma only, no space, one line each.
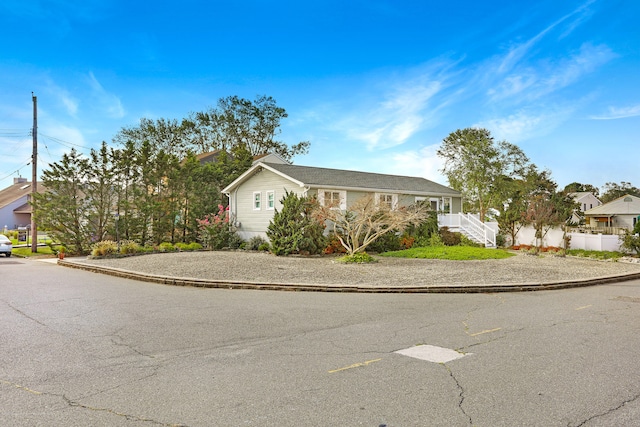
(604,414)
(461,393)
(17,310)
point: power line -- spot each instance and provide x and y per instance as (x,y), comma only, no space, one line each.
(17,171)
(63,142)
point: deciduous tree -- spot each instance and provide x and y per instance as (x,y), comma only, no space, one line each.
(365,221)
(474,164)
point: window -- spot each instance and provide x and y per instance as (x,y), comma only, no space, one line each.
(334,199)
(434,203)
(271,200)
(390,200)
(257,199)
(446,205)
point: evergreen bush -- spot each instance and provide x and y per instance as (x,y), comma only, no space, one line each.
(294,229)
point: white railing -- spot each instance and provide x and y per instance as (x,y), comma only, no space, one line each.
(470,226)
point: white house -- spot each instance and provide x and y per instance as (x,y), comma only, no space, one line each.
(586,200)
(623,212)
(254,196)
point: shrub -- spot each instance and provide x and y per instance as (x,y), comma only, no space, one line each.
(422,232)
(104,248)
(334,246)
(357,258)
(501,240)
(406,241)
(215,231)
(166,247)
(435,240)
(631,242)
(129,247)
(264,247)
(449,238)
(181,246)
(194,246)
(386,242)
(295,229)
(255,243)
(234,241)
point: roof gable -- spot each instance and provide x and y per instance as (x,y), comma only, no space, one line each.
(315,177)
(625,205)
(16,192)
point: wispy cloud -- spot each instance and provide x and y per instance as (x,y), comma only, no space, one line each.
(392,116)
(68,101)
(518,52)
(547,76)
(526,124)
(423,162)
(619,113)
(109,102)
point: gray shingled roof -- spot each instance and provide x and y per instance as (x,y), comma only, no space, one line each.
(318,177)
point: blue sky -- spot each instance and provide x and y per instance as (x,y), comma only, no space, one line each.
(373,85)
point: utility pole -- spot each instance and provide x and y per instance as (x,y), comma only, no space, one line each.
(34,176)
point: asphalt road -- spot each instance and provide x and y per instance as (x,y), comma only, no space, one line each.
(79,349)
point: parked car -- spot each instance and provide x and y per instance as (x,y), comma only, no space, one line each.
(5,245)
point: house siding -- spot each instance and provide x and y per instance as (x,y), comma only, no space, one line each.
(306,181)
(13,220)
(255,222)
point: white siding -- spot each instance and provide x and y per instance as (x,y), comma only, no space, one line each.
(252,222)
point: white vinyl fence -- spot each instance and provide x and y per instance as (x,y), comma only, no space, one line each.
(591,242)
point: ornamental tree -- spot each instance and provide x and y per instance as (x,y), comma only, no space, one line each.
(365,221)
(214,230)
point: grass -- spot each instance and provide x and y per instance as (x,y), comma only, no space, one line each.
(26,252)
(454,253)
(595,254)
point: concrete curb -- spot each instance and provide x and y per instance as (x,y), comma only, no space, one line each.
(306,287)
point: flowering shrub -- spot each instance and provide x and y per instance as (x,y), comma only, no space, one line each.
(214,230)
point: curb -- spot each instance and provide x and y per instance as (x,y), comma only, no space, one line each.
(306,287)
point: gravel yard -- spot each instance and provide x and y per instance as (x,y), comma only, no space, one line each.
(388,272)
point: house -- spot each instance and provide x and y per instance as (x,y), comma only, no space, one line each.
(585,200)
(15,210)
(254,196)
(623,212)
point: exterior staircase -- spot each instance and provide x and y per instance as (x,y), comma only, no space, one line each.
(471,226)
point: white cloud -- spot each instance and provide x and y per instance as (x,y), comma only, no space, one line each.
(396,117)
(525,124)
(518,52)
(423,162)
(534,82)
(619,113)
(109,102)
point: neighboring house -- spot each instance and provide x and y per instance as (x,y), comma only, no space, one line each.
(586,201)
(623,212)
(254,196)
(15,210)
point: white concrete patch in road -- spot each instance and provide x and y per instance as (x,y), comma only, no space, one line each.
(432,353)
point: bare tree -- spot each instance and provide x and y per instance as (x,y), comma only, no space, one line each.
(366,220)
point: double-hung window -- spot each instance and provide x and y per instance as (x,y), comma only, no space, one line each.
(271,200)
(388,200)
(257,201)
(332,198)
